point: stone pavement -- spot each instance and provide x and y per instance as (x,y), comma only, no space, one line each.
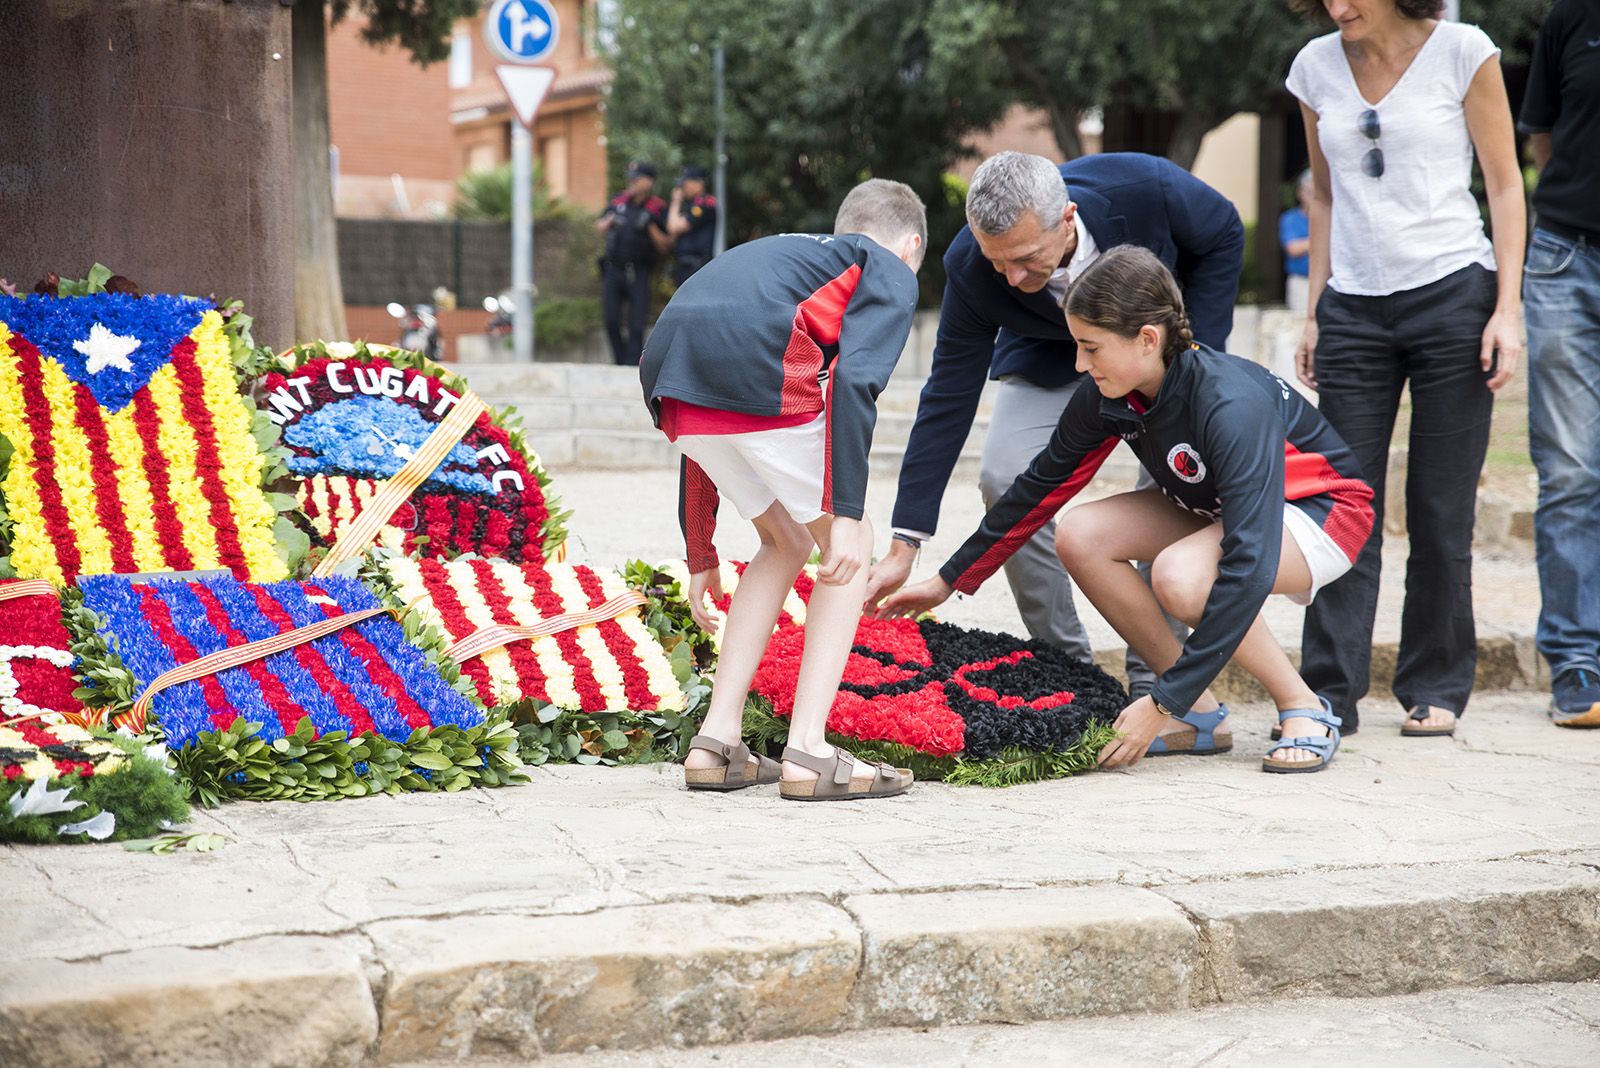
(1547,1025)
(1505,585)
(610,908)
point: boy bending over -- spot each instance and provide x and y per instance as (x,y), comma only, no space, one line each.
(765,369)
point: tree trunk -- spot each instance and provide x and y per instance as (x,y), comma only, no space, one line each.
(1187,133)
(1064,122)
(318,294)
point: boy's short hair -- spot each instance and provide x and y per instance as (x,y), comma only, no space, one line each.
(880,208)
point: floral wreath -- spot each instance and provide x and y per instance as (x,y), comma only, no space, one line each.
(131,446)
(351,415)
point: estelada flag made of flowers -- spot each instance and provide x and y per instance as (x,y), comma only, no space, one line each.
(132,448)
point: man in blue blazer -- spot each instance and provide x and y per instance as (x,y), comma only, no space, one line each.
(1032,227)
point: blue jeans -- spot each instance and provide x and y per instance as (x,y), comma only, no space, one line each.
(1561,295)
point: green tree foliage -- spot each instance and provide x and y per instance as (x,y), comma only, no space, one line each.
(421,27)
(486,194)
(821,94)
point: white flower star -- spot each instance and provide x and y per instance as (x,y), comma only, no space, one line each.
(105,349)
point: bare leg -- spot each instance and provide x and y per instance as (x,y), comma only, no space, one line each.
(752,614)
(1183,575)
(1098,542)
(831,619)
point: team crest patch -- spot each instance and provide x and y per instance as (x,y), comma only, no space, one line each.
(1186,463)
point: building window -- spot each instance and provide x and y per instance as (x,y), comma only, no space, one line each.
(553,163)
(461,59)
(483,157)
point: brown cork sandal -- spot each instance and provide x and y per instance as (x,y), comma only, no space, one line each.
(742,768)
(842,777)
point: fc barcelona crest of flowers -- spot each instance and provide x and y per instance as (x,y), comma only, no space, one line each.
(353,416)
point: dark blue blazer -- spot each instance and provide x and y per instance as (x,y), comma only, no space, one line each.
(988,329)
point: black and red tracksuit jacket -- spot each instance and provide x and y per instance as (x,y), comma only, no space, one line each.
(1224,439)
(786,324)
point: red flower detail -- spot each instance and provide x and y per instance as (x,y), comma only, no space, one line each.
(56,521)
(169,532)
(208,463)
(155,610)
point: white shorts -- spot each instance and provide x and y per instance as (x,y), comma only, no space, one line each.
(755,469)
(1323,556)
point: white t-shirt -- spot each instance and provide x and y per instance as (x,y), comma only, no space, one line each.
(1419,221)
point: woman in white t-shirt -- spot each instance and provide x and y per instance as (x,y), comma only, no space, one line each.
(1406,288)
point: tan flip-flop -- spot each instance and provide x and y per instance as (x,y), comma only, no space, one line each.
(842,777)
(742,768)
(1412,728)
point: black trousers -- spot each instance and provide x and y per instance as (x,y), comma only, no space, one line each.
(625,283)
(1368,348)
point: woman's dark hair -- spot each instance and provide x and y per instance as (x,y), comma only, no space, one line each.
(1411,9)
(1126,289)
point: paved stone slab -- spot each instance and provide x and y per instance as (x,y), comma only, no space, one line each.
(271,1001)
(1365,932)
(617,978)
(1550,1026)
(1019,955)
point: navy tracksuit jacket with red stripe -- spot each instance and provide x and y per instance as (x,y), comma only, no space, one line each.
(754,331)
(1225,439)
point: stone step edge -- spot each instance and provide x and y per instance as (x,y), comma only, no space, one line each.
(702,972)
(1508,661)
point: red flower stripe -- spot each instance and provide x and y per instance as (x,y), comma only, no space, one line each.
(530,675)
(466,520)
(273,691)
(40,736)
(349,706)
(108,498)
(208,464)
(456,624)
(382,673)
(636,684)
(58,525)
(155,610)
(147,420)
(549,604)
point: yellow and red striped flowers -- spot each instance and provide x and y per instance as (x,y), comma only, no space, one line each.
(133,448)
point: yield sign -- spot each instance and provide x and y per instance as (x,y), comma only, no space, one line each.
(526,88)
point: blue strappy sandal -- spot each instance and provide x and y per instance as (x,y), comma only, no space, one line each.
(1202,742)
(1323,747)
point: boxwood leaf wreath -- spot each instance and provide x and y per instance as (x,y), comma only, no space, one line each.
(128,444)
(359,711)
(964,706)
(353,414)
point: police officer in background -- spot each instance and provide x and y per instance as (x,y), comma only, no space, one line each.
(692,223)
(634,225)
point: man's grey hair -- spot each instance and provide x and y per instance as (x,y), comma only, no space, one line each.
(1008,184)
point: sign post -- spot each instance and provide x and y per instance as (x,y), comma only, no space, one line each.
(522,32)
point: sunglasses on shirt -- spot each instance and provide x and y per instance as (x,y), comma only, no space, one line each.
(1371,129)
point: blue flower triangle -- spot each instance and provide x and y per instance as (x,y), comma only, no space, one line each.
(157,322)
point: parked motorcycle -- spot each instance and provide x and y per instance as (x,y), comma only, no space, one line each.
(502,314)
(419,328)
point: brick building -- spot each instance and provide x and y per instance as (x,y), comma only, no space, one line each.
(402,134)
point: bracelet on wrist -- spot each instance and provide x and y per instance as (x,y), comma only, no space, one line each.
(915,543)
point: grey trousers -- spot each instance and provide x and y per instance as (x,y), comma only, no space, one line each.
(1024,417)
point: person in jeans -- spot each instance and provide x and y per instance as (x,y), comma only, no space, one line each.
(1406,288)
(1561,286)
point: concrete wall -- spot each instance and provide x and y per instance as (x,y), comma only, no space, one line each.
(155,138)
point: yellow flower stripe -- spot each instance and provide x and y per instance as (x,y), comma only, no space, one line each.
(133,486)
(237,452)
(31,553)
(175,435)
(73,471)
(561,683)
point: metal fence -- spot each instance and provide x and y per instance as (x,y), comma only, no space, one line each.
(405,260)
